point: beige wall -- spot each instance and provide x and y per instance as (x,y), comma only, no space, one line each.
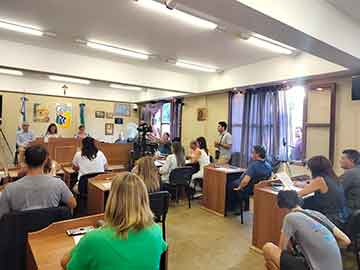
(95,127)
(217,106)
(347,130)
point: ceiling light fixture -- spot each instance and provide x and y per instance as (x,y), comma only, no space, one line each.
(180,15)
(11,72)
(68,79)
(195,66)
(269,44)
(99,45)
(125,87)
(22,28)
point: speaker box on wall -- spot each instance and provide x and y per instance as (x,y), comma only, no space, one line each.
(355,91)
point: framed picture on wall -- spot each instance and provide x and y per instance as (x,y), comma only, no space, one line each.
(121,109)
(41,113)
(99,114)
(202,114)
(109,115)
(109,129)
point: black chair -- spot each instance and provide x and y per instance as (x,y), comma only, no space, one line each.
(354,232)
(235,159)
(14,228)
(180,178)
(81,197)
(159,204)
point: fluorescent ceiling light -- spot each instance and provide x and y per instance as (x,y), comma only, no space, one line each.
(26,29)
(99,45)
(195,66)
(269,45)
(273,41)
(125,87)
(68,79)
(11,72)
(180,15)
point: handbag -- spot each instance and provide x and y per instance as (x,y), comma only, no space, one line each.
(217,151)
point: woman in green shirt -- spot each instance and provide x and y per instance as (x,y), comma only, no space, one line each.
(129,239)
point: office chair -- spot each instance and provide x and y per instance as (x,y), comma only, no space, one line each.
(181,177)
(14,228)
(81,197)
(159,204)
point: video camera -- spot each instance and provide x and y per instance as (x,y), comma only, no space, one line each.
(144,128)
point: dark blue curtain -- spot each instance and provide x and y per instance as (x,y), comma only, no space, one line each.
(260,117)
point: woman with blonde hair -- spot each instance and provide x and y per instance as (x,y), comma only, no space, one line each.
(145,168)
(129,239)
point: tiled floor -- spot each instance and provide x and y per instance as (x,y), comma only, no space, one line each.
(203,241)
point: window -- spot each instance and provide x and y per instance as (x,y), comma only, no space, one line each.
(295,107)
(161,120)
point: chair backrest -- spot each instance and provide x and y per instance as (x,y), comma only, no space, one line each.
(235,159)
(83,182)
(181,176)
(14,228)
(159,204)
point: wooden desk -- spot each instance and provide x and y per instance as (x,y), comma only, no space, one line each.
(47,247)
(214,187)
(268,217)
(98,192)
(69,171)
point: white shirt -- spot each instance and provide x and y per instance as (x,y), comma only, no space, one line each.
(23,138)
(204,160)
(169,165)
(86,166)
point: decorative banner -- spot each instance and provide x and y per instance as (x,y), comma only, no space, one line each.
(82,114)
(40,113)
(63,115)
(23,108)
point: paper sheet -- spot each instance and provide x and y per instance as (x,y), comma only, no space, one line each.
(77,238)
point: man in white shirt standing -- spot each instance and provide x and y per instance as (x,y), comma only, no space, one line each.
(24,136)
(223,144)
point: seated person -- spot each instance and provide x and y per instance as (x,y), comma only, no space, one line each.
(81,134)
(129,239)
(89,160)
(173,161)
(199,156)
(147,171)
(329,196)
(35,190)
(165,144)
(350,162)
(316,236)
(259,169)
(51,132)
(25,136)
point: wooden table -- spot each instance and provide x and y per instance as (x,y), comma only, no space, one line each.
(268,217)
(215,183)
(98,192)
(47,247)
(69,171)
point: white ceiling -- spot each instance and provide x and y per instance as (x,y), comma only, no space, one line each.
(127,24)
(349,7)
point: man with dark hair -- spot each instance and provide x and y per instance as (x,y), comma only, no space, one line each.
(223,144)
(308,232)
(350,162)
(35,190)
(258,169)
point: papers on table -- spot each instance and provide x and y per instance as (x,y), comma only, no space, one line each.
(77,238)
(107,185)
(159,163)
(289,184)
